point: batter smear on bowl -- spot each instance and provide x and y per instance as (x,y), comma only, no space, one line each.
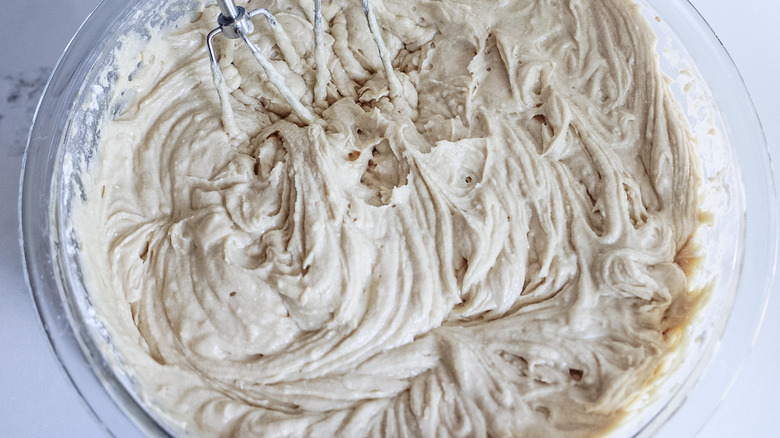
(484,244)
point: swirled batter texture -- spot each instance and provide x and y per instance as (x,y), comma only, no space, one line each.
(492,252)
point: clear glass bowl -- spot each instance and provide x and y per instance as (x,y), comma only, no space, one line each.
(740,246)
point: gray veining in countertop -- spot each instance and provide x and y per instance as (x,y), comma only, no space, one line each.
(19,93)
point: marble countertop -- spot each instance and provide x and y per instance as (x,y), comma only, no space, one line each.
(36,397)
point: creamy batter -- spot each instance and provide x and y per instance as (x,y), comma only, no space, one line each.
(484,244)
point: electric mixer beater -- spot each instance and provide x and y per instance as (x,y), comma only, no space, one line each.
(236,22)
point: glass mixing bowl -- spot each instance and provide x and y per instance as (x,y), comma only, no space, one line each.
(740,246)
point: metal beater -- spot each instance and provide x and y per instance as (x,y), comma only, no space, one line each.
(235,22)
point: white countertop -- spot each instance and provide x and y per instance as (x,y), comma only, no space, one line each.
(36,398)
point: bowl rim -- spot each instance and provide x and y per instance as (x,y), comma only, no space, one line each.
(40,240)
